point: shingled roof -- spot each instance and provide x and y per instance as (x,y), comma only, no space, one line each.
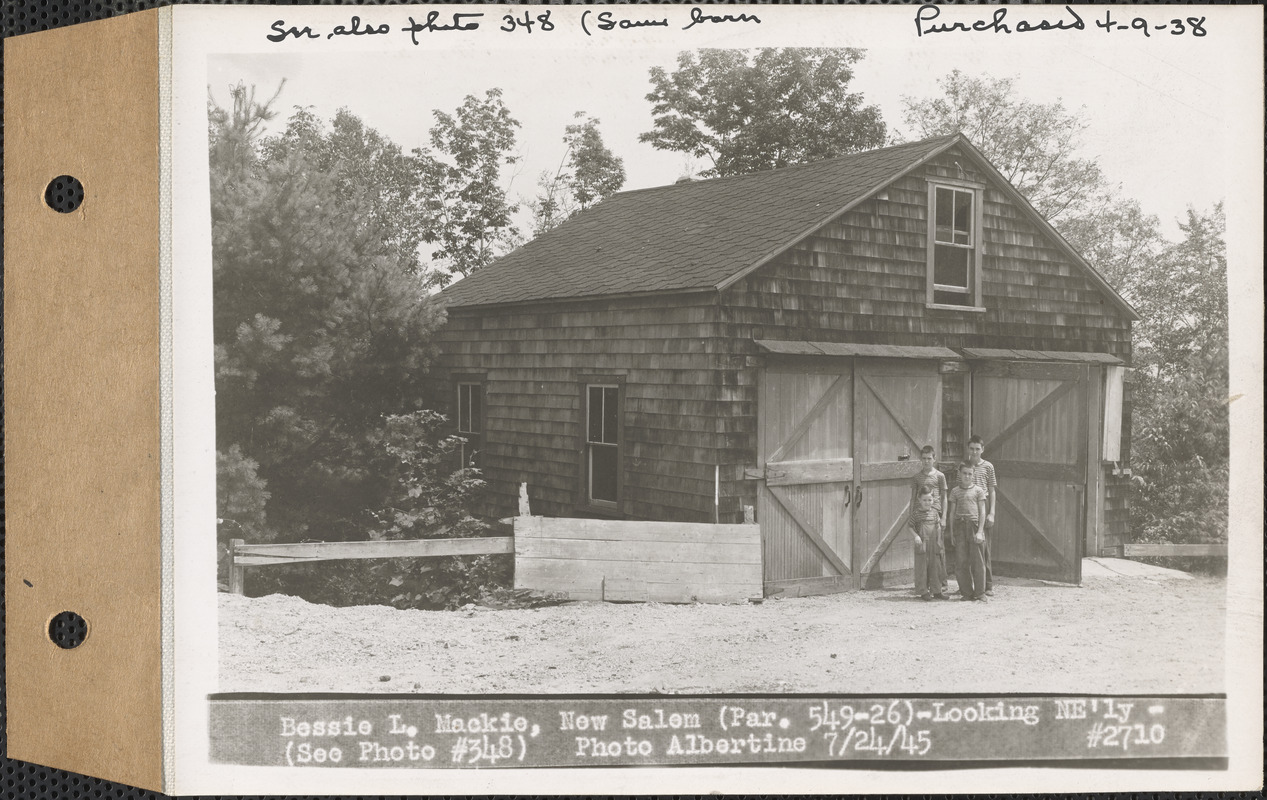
(699,234)
(684,236)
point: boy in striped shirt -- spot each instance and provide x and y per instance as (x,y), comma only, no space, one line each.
(925,522)
(966,508)
(983,476)
(932,478)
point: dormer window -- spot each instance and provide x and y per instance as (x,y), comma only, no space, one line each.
(954,253)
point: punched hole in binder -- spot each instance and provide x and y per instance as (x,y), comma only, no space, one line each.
(64,194)
(68,630)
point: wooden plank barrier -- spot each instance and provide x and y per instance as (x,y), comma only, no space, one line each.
(668,562)
(257,555)
(1173,550)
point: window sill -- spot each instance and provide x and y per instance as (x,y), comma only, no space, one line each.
(949,307)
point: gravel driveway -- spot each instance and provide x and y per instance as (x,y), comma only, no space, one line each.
(1143,633)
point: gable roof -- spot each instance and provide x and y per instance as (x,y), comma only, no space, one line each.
(703,235)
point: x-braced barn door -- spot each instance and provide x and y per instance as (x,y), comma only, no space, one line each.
(1033,419)
(897,410)
(806,450)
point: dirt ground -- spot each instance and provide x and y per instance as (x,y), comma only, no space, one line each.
(1135,633)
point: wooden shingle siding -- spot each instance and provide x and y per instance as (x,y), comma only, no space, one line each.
(535,360)
(862,278)
(853,282)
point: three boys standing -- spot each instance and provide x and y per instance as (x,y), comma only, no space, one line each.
(970,508)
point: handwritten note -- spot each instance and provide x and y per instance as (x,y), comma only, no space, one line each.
(591,23)
(999,22)
(929,19)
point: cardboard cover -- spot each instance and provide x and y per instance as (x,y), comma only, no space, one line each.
(81,359)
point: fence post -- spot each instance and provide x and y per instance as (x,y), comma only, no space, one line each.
(524,510)
(237,574)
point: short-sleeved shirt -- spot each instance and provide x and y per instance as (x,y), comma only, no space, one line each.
(936,481)
(921,517)
(983,475)
(927,525)
(965,501)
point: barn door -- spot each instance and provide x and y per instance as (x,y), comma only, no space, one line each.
(897,410)
(1033,420)
(805,444)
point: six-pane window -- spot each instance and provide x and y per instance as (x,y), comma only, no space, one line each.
(602,437)
(470,417)
(954,243)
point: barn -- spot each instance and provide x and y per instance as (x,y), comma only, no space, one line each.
(783,343)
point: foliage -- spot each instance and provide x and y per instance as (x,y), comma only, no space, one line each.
(1033,144)
(426,496)
(747,110)
(241,498)
(233,133)
(429,501)
(323,343)
(1183,300)
(468,217)
(371,174)
(588,173)
(1118,239)
(1180,435)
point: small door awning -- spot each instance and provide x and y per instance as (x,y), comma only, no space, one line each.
(798,348)
(981,353)
(785,347)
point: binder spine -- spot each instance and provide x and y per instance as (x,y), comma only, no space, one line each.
(166,353)
(82,413)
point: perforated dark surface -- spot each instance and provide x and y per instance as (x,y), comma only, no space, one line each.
(64,194)
(68,630)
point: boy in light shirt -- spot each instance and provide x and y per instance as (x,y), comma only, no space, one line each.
(966,509)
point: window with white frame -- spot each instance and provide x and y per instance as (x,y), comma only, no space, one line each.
(954,257)
(602,444)
(470,419)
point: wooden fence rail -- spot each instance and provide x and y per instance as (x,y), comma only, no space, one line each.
(243,555)
(1173,550)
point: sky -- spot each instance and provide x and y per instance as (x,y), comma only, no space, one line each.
(1155,108)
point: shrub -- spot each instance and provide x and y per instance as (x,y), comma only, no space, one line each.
(427,499)
(241,497)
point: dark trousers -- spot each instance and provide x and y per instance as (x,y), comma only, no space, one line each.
(970,558)
(989,568)
(929,573)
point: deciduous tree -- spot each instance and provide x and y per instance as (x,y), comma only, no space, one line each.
(1034,145)
(1180,435)
(469,220)
(588,172)
(749,110)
